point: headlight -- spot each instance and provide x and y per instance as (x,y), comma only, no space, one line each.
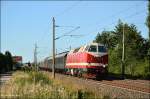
(105,65)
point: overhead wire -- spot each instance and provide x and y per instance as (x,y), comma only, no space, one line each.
(130,16)
(122,11)
(68,8)
(84,35)
(58,15)
(45,33)
(67,33)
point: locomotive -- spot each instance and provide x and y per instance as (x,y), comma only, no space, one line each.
(89,61)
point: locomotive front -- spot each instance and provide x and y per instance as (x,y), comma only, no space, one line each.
(89,61)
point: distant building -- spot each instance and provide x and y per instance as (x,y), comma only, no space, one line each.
(17,60)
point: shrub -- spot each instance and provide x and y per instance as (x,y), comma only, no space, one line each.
(39,77)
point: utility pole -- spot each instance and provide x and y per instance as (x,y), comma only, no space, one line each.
(0,33)
(56,51)
(0,41)
(35,56)
(53,65)
(123,55)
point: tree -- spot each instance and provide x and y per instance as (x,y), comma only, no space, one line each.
(106,38)
(134,45)
(133,39)
(148,42)
(2,63)
(148,19)
(9,61)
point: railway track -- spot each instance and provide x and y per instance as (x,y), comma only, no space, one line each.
(128,86)
(147,82)
(135,83)
(141,86)
(115,88)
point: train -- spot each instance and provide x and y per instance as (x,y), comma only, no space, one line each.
(88,61)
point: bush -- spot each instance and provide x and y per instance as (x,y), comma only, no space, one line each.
(26,68)
(39,77)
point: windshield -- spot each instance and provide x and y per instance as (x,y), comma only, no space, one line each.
(101,49)
(93,48)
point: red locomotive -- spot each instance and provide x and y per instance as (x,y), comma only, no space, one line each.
(88,61)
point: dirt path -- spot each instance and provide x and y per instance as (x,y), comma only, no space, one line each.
(5,77)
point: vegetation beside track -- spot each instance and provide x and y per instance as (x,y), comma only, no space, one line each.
(33,84)
(137,49)
(6,62)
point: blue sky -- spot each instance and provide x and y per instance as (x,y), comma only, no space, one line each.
(24,23)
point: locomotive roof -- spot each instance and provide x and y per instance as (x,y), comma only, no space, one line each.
(82,48)
(94,43)
(58,55)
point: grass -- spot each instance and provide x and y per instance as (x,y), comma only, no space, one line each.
(32,84)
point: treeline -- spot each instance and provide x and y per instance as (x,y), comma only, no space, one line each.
(137,48)
(6,62)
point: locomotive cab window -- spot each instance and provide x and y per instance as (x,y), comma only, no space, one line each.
(101,49)
(93,48)
(87,47)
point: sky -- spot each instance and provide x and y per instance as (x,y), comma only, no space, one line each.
(26,23)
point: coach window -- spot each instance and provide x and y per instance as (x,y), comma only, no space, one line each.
(93,48)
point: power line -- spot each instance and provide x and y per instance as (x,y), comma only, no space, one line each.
(44,33)
(67,33)
(64,11)
(114,15)
(74,35)
(120,12)
(68,9)
(75,4)
(134,14)
(65,26)
(130,16)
